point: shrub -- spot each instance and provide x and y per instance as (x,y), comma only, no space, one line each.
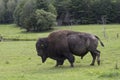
(40,21)
(33,16)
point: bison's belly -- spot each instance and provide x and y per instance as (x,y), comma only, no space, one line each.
(56,56)
(78,48)
(79,51)
(77,45)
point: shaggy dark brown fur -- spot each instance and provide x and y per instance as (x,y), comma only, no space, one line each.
(63,44)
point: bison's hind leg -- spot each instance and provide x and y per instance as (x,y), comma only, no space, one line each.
(94,54)
(98,57)
(94,57)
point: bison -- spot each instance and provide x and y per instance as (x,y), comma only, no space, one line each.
(64,44)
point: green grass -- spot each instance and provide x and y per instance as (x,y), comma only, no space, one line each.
(11,31)
(19,60)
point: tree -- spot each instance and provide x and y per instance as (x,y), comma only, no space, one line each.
(2,11)
(34,16)
(63,11)
(40,21)
(11,4)
(114,15)
(80,11)
(18,13)
(42,4)
(45,20)
(68,11)
(101,8)
(27,10)
(7,8)
(46,5)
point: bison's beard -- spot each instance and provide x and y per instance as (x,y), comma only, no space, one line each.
(43,58)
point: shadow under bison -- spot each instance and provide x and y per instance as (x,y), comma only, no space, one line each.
(63,44)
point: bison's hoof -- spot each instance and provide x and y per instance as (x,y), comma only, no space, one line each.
(56,66)
(72,66)
(98,63)
(91,64)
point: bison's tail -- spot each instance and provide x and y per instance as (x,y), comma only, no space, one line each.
(100,41)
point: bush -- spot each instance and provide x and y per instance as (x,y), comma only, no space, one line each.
(40,21)
(32,16)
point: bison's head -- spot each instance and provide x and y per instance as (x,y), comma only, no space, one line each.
(41,47)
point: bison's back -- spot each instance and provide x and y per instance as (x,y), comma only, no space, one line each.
(78,43)
(58,39)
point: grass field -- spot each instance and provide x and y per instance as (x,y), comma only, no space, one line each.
(19,60)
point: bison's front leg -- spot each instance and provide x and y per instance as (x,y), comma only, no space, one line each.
(59,62)
(71,59)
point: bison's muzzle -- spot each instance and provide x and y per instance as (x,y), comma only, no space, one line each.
(43,59)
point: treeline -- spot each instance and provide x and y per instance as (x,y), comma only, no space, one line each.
(87,11)
(7,8)
(39,15)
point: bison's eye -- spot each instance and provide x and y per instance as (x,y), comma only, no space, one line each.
(42,45)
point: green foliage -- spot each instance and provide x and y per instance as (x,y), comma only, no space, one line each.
(18,13)
(7,8)
(45,20)
(87,11)
(102,8)
(35,15)
(42,4)
(40,21)
(52,9)
(68,12)
(80,11)
(2,9)
(62,7)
